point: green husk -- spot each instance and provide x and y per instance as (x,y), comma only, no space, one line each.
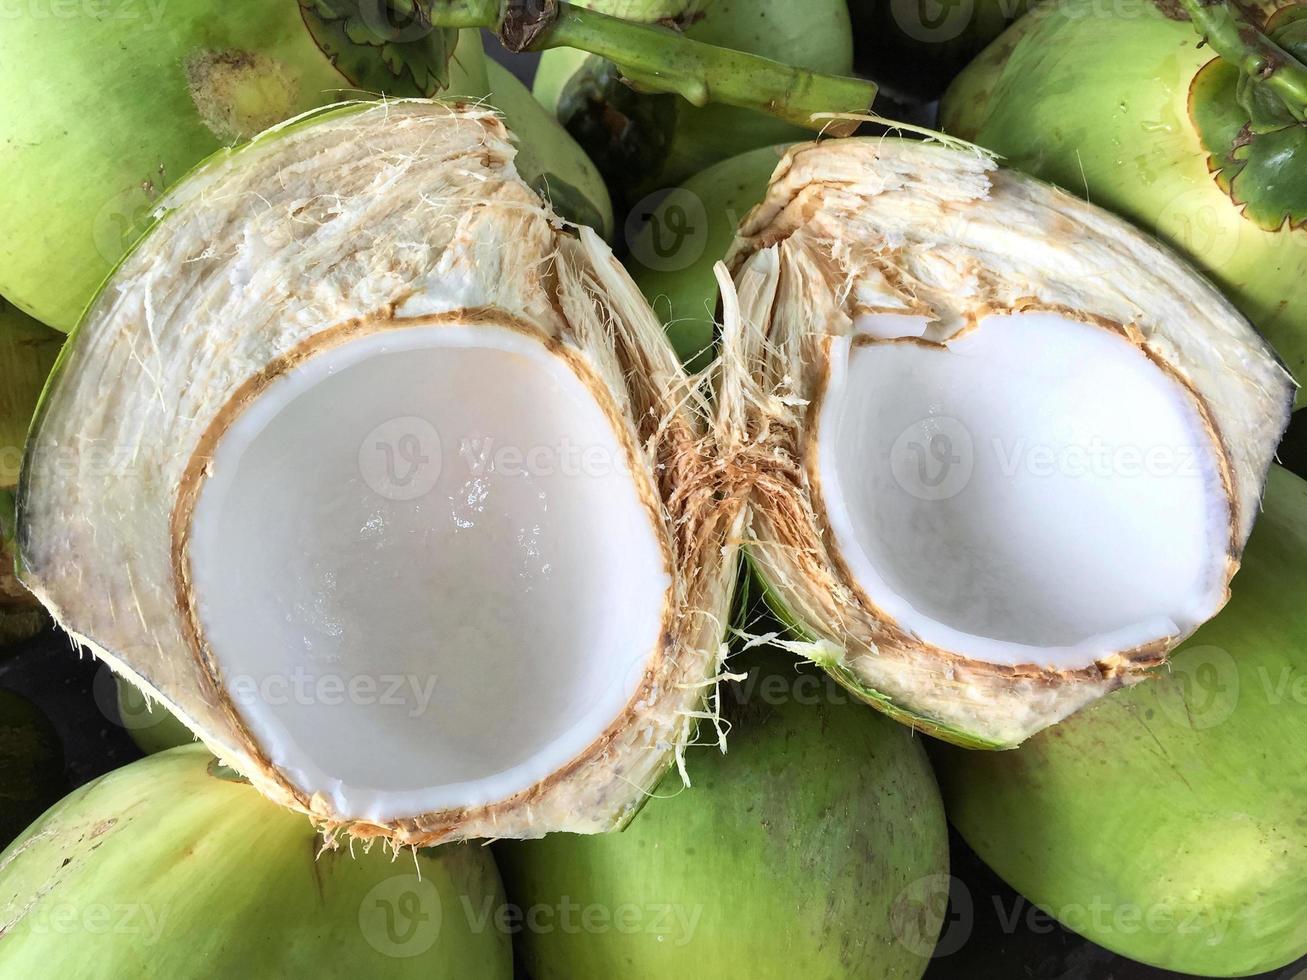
(676,245)
(131,100)
(816,796)
(1131,109)
(815,35)
(31,765)
(170,865)
(1166,822)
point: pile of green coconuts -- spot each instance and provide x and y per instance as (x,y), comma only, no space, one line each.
(830,298)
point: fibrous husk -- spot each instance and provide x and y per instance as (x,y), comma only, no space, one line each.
(940,236)
(365,219)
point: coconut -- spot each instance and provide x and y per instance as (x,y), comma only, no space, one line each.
(389,487)
(1131,109)
(1004,451)
(673,252)
(1165,822)
(168,864)
(143,92)
(644,143)
(27,353)
(31,765)
(816,847)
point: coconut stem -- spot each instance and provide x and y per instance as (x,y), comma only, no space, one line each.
(1237,39)
(659,59)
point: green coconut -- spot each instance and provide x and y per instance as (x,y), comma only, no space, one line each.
(170,867)
(548,158)
(27,353)
(1166,822)
(643,143)
(815,847)
(31,765)
(133,97)
(675,247)
(1129,108)
(151,726)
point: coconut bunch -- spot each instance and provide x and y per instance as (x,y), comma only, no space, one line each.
(1003,451)
(387,484)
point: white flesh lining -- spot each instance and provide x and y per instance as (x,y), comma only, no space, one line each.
(401,656)
(1040,492)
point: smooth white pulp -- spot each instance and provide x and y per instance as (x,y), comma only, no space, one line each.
(425,569)
(1038,492)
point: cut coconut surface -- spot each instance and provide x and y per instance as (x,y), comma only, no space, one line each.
(389,486)
(1005,451)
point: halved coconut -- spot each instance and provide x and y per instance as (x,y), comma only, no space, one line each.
(1005,451)
(389,486)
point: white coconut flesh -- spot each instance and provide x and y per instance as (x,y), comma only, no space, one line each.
(425,569)
(389,486)
(1035,491)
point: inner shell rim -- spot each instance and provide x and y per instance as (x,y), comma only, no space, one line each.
(194,479)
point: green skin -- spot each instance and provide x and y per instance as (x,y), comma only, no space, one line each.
(27,353)
(1097,100)
(31,765)
(674,249)
(548,158)
(125,108)
(1180,799)
(152,726)
(172,865)
(815,34)
(815,848)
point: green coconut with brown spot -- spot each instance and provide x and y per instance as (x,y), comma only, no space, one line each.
(1166,822)
(1128,106)
(170,867)
(814,847)
(27,353)
(132,95)
(31,764)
